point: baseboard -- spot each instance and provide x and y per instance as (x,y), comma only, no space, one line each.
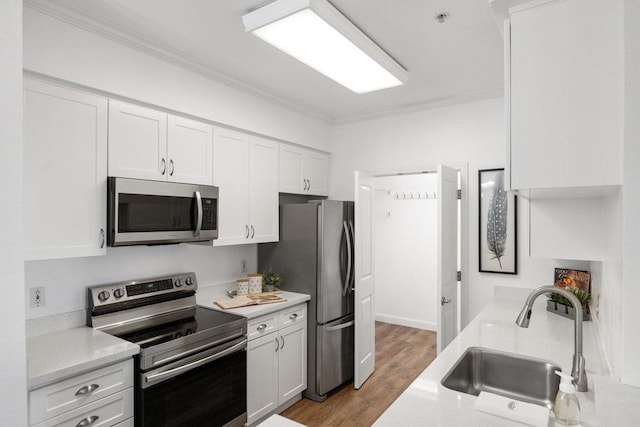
(403,321)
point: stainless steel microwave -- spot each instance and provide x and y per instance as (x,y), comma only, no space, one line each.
(142,212)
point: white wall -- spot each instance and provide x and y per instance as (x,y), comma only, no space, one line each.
(631,198)
(66,52)
(13,389)
(471,132)
(66,280)
(406,257)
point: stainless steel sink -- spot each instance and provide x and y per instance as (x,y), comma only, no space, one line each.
(522,378)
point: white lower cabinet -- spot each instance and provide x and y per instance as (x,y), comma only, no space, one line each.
(103,397)
(276,361)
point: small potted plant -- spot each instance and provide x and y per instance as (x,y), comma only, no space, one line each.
(270,280)
(561,305)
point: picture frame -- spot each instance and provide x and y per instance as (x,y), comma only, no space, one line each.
(497,224)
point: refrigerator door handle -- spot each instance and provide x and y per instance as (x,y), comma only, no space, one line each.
(342,326)
(347,279)
(352,282)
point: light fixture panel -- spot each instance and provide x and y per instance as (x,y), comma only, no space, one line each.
(315,33)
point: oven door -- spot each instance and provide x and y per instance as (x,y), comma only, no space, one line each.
(155,212)
(209,388)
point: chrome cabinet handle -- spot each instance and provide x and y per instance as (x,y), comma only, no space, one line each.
(87,421)
(247,229)
(308,184)
(253,231)
(277,344)
(262,327)
(173,167)
(304,184)
(282,346)
(164,165)
(101,238)
(87,389)
(293,316)
(444,301)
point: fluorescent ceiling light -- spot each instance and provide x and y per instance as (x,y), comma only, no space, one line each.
(316,33)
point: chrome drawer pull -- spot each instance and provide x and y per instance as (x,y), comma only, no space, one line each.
(294,316)
(87,389)
(262,326)
(87,421)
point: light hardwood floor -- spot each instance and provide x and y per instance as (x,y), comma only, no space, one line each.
(401,354)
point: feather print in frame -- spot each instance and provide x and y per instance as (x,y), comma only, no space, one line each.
(497,231)
(497,220)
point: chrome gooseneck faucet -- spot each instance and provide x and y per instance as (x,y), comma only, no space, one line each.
(577,371)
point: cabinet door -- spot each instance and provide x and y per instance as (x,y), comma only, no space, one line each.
(565,95)
(262,377)
(137,142)
(189,151)
(316,171)
(290,176)
(231,175)
(263,190)
(65,172)
(292,376)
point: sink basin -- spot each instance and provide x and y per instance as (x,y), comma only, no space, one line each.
(522,378)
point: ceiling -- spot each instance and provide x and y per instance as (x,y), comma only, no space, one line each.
(460,59)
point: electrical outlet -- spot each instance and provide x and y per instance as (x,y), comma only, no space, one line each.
(37,297)
(243,266)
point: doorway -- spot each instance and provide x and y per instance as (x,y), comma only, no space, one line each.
(413,256)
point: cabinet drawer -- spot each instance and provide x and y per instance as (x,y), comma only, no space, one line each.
(262,326)
(104,412)
(58,398)
(293,315)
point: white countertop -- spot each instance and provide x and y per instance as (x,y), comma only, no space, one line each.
(58,355)
(206,296)
(549,336)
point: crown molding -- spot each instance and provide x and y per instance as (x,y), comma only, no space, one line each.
(421,106)
(166,54)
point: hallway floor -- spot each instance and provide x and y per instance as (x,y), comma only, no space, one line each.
(402,353)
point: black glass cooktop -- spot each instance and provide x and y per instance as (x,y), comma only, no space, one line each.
(204,320)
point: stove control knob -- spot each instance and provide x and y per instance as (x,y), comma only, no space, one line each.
(189,281)
(178,283)
(104,295)
(118,293)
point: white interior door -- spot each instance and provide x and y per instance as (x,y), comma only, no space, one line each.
(447,197)
(364,351)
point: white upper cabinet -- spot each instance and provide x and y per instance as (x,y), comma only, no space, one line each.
(245,171)
(137,142)
(303,171)
(189,150)
(564,64)
(149,144)
(65,172)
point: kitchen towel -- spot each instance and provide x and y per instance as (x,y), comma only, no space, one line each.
(512,409)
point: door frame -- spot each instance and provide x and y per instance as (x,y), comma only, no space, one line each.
(463,284)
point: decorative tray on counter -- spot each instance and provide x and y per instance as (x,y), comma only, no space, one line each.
(237,301)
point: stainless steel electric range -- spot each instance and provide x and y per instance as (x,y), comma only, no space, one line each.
(192,365)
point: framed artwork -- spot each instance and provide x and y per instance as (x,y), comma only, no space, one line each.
(498,209)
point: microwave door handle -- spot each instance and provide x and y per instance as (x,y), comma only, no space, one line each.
(199,220)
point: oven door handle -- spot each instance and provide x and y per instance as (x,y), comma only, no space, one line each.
(152,378)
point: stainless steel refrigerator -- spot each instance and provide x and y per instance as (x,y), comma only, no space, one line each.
(315,256)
